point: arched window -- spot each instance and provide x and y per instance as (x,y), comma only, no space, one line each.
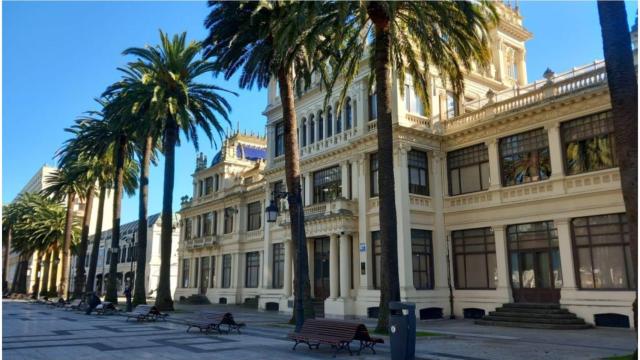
(348,116)
(312,130)
(304,132)
(320,126)
(329,121)
(338,122)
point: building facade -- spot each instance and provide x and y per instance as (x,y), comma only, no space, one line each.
(127,256)
(223,224)
(506,193)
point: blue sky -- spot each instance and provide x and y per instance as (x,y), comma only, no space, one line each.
(59,56)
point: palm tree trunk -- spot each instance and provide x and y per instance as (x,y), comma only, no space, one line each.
(623,87)
(5,258)
(66,248)
(390,283)
(53,281)
(84,243)
(45,274)
(296,208)
(140,292)
(36,285)
(97,236)
(112,283)
(163,295)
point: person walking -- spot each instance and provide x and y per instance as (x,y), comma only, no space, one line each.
(127,294)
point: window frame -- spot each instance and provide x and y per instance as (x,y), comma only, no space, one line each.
(428,244)
(186,268)
(594,119)
(279,139)
(335,183)
(228,220)
(254,216)
(469,151)
(374,185)
(278,266)
(252,270)
(226,271)
(544,135)
(376,251)
(416,188)
(487,235)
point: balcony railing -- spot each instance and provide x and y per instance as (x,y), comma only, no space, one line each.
(201,242)
(569,82)
(333,141)
(335,207)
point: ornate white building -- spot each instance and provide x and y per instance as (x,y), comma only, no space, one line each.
(508,193)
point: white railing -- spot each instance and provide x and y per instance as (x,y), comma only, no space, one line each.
(325,209)
(565,83)
(333,141)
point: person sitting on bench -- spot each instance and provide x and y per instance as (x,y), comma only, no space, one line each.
(94,301)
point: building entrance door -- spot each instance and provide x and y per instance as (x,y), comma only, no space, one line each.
(536,275)
(321,268)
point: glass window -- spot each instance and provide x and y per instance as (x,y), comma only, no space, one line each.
(217,182)
(209,223)
(373,107)
(320,126)
(228,220)
(412,102)
(129,253)
(452,105)
(278,187)
(252,270)
(212,282)
(123,254)
(208,185)
(206,272)
(226,271)
(525,157)
(474,256)
(589,143)
(422,255)
(418,181)
(377,253)
(279,148)
(185,272)
(327,184)
(303,138)
(373,175)
(278,266)
(312,130)
(603,256)
(348,119)
(196,273)
(329,122)
(535,258)
(468,169)
(339,123)
(254,212)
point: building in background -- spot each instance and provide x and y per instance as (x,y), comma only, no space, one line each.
(127,256)
(223,224)
(39,182)
(506,194)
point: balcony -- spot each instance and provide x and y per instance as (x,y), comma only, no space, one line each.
(336,207)
(206,241)
(335,141)
(565,84)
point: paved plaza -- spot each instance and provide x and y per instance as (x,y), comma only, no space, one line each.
(39,332)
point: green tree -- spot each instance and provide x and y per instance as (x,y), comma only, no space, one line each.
(623,87)
(405,37)
(272,41)
(178,102)
(65,184)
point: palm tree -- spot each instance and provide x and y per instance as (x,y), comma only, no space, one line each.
(133,98)
(177,102)
(623,87)
(269,41)
(65,184)
(12,215)
(105,135)
(405,37)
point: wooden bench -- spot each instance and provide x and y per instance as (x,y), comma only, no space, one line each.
(106,308)
(141,312)
(339,334)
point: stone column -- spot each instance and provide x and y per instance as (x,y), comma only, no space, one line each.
(499,60)
(288,263)
(333,266)
(555,150)
(405,270)
(345,265)
(307,189)
(439,234)
(363,230)
(270,143)
(344,166)
(566,254)
(494,164)
(522,67)
(442,103)
(502,262)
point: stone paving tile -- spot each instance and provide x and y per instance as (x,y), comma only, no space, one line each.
(36,332)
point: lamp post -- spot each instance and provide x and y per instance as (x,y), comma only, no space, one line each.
(271,212)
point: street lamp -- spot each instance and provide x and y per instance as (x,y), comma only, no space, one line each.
(271,213)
